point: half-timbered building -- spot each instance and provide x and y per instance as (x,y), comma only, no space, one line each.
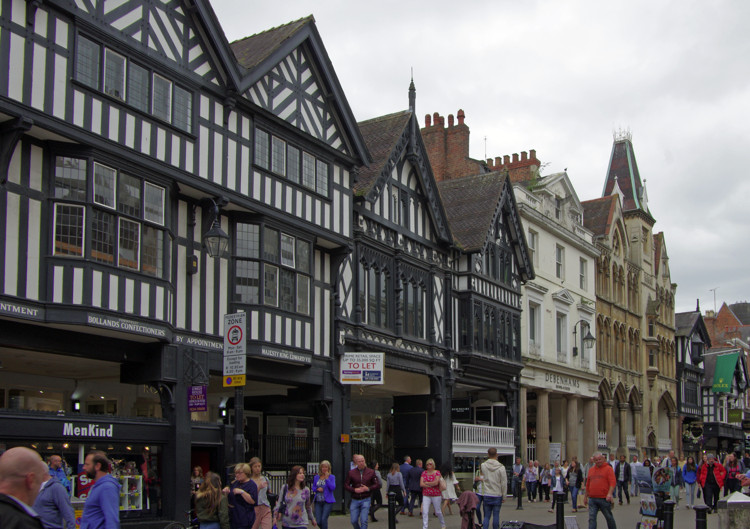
(131,130)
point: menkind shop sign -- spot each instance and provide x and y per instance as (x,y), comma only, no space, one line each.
(88,430)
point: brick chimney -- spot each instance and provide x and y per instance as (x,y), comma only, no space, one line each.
(448,148)
(519,170)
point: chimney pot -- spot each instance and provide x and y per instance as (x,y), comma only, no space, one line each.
(450,120)
(461,116)
(515,157)
(498,161)
(532,154)
(524,155)
(489,162)
(506,159)
(435,118)
(427,120)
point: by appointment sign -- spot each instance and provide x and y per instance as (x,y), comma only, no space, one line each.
(235,349)
(362,368)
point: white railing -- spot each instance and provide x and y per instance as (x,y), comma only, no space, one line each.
(630,439)
(477,438)
(664,444)
(530,450)
(601,440)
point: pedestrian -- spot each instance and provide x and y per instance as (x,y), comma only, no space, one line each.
(263,515)
(575,482)
(450,494)
(242,496)
(612,460)
(211,506)
(415,489)
(557,484)
(405,469)
(600,488)
(690,477)
(196,479)
(677,481)
(518,476)
(711,477)
(361,481)
(57,469)
(377,495)
(294,508)
(395,483)
(531,476)
(53,506)
(634,464)
(647,464)
(544,480)
(735,470)
(479,491)
(431,493)
(623,474)
(539,470)
(22,473)
(324,483)
(495,488)
(102,507)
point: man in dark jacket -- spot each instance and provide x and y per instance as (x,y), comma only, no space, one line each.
(360,482)
(405,469)
(415,489)
(53,505)
(623,477)
(21,474)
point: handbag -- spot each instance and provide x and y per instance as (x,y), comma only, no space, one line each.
(272,499)
(282,504)
(443,484)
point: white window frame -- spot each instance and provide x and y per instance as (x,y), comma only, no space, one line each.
(163,193)
(561,336)
(559,261)
(582,272)
(282,259)
(120,221)
(533,244)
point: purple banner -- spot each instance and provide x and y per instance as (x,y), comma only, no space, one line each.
(197,400)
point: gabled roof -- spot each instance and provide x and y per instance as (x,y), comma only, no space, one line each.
(470,204)
(251,51)
(741,312)
(392,137)
(599,214)
(624,169)
(260,53)
(381,135)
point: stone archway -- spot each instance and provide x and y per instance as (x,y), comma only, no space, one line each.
(667,426)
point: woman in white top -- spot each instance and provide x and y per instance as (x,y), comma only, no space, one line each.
(450,494)
(263,517)
(557,485)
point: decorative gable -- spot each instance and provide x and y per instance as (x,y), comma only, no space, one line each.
(161,26)
(292,92)
(563,296)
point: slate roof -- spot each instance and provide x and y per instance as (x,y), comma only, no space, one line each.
(381,135)
(252,50)
(622,165)
(684,322)
(598,214)
(741,311)
(470,205)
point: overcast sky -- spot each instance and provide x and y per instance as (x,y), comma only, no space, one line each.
(560,77)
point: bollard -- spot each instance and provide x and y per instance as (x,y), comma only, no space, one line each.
(391,510)
(701,512)
(669,514)
(559,514)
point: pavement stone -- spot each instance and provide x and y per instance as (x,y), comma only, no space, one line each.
(625,515)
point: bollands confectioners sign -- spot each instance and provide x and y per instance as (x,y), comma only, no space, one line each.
(88,430)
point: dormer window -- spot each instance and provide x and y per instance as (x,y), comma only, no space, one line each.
(558,208)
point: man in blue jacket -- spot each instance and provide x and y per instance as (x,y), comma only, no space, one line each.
(56,470)
(102,507)
(52,504)
(405,469)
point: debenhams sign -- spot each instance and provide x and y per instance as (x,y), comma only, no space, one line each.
(88,430)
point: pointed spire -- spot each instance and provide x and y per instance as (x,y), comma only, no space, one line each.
(698,305)
(412,93)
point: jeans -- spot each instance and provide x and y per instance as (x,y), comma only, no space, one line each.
(531,490)
(435,501)
(360,509)
(210,525)
(574,497)
(601,504)
(414,499)
(674,493)
(492,506)
(690,493)
(711,496)
(480,499)
(622,486)
(322,511)
(634,489)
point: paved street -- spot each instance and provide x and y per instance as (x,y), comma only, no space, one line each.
(625,515)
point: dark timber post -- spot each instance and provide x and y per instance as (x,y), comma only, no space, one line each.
(669,514)
(700,516)
(559,514)
(392,510)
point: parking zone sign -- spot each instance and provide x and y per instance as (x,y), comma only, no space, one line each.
(235,349)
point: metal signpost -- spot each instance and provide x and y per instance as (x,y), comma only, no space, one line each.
(235,367)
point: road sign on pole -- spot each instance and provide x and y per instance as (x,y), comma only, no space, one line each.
(235,349)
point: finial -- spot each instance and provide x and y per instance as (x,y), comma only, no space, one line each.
(412,93)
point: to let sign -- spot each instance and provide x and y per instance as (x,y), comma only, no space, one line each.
(362,368)
(235,349)
(197,398)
